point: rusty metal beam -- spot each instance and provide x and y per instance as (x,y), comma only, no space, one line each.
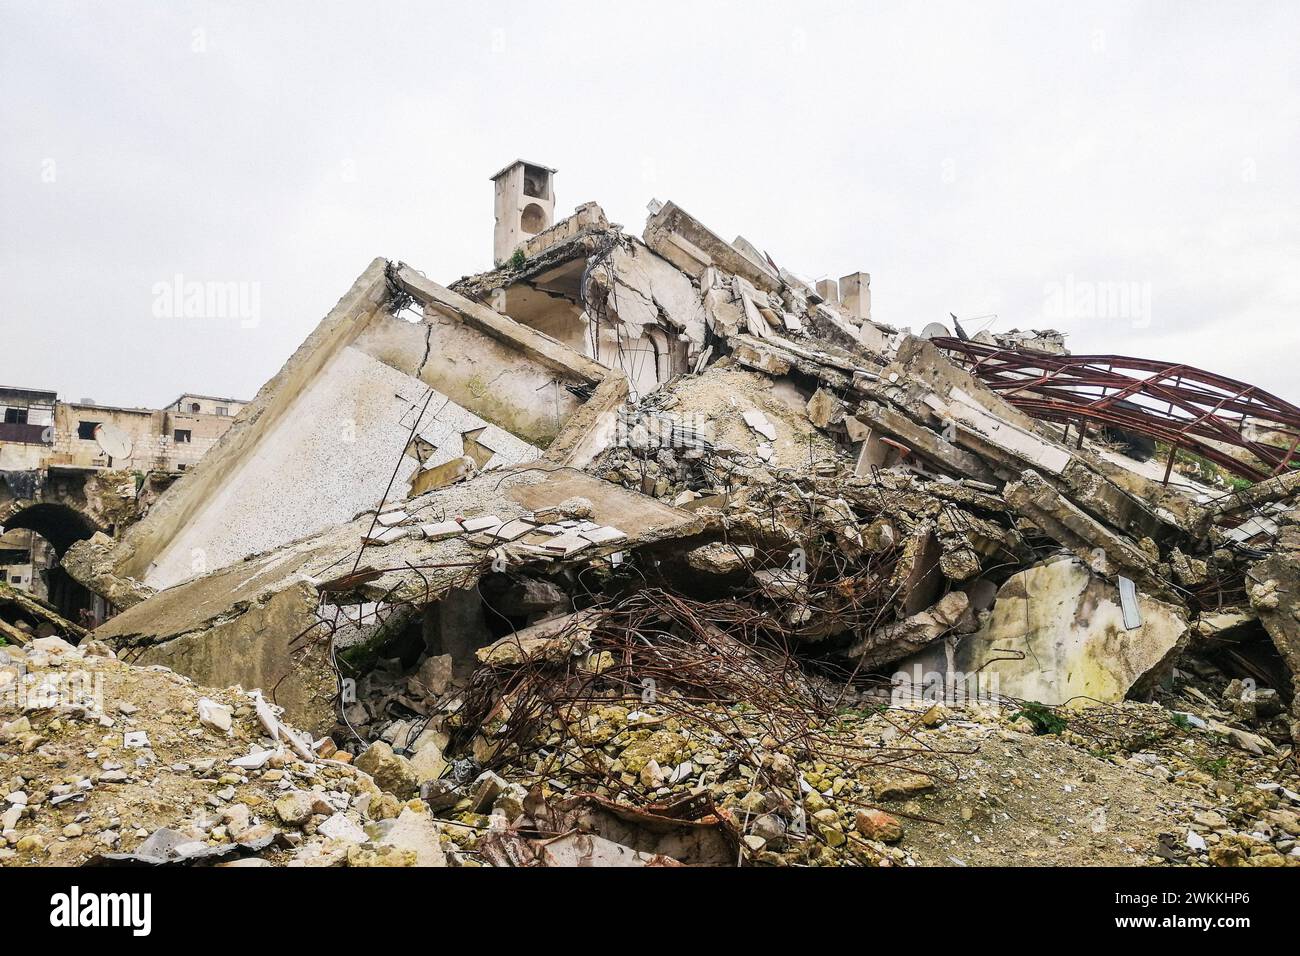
(1182,406)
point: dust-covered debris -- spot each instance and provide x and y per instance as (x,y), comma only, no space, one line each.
(686,560)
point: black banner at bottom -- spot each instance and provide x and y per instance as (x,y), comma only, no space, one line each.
(303,905)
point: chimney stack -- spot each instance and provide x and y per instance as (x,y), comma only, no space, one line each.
(524,205)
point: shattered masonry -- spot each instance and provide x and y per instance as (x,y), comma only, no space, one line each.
(647,551)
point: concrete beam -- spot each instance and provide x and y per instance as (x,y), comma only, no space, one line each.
(680,238)
(924,442)
(1060,519)
(545,349)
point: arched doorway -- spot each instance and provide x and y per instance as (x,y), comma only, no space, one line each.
(61,526)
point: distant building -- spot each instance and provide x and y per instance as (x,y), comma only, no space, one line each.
(21,552)
(39,431)
(51,451)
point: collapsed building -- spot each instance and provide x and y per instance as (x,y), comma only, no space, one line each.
(616,476)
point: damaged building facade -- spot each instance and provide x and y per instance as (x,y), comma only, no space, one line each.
(517,544)
(70,469)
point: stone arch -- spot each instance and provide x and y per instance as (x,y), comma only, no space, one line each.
(62,526)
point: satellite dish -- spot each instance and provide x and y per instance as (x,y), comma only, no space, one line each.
(114,442)
(935,330)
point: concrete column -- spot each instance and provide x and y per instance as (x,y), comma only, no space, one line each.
(855,295)
(829,291)
(873,453)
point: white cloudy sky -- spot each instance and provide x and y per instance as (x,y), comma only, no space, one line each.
(972,157)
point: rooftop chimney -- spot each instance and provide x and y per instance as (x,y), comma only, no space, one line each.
(524,205)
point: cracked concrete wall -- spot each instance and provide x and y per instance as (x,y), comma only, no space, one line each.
(499,383)
(342,439)
(337,418)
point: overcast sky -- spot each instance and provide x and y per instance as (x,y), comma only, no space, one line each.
(975,158)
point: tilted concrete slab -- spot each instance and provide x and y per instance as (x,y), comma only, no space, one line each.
(691,246)
(256,623)
(322,438)
(1069,525)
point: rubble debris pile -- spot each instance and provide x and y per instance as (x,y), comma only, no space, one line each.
(654,553)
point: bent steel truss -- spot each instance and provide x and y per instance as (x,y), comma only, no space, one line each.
(1182,406)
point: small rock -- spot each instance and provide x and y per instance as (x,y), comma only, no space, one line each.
(771,828)
(428,763)
(51,645)
(365,855)
(934,717)
(391,773)
(416,833)
(1210,819)
(484,791)
(294,808)
(652,778)
(340,827)
(214,716)
(435,673)
(879,825)
(904,787)
(238,819)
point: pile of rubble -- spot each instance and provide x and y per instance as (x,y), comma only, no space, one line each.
(648,552)
(108,763)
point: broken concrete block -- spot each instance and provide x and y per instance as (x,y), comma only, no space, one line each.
(340,827)
(1057,634)
(511,530)
(765,361)
(857,429)
(215,716)
(367,855)
(933,446)
(428,763)
(892,642)
(719,558)
(391,772)
(295,808)
(554,640)
(435,673)
(759,423)
(441,530)
(386,536)
(602,535)
(825,409)
(879,825)
(781,584)
(1102,549)
(53,645)
(486,788)
(415,832)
